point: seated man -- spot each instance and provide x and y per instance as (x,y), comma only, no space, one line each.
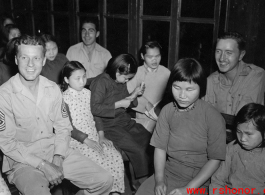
(35,156)
(236,83)
(90,54)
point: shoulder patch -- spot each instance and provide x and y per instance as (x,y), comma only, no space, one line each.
(64,111)
(2,121)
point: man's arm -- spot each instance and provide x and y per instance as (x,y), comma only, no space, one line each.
(69,54)
(61,125)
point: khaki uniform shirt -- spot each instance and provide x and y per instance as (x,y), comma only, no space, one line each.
(248,87)
(94,66)
(26,123)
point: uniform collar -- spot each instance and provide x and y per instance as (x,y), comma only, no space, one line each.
(97,47)
(243,70)
(17,85)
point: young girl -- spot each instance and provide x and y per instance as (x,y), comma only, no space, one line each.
(54,60)
(109,100)
(155,77)
(87,139)
(243,171)
(189,137)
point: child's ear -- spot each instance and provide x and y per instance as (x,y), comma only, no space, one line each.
(66,80)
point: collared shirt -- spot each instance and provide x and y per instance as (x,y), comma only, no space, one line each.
(27,134)
(94,66)
(248,86)
(148,69)
(241,169)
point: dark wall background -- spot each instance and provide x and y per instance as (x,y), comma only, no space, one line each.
(248,18)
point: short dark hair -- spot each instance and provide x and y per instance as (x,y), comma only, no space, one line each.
(48,38)
(68,69)
(124,64)
(253,112)
(150,44)
(188,70)
(235,36)
(89,20)
(29,40)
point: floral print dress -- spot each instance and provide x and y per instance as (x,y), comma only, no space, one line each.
(82,119)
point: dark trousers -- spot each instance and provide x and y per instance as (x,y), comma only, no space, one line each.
(133,139)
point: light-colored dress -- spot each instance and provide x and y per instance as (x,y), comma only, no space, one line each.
(82,119)
(3,187)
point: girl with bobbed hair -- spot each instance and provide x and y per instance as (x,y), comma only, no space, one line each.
(109,101)
(189,137)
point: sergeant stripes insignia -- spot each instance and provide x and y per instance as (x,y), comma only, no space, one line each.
(2,121)
(64,111)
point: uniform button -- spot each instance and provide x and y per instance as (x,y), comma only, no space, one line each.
(38,118)
(41,132)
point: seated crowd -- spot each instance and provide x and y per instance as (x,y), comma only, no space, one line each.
(76,116)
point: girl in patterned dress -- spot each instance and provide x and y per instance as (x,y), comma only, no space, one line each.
(85,136)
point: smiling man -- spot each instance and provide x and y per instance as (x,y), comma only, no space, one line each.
(236,83)
(90,54)
(35,130)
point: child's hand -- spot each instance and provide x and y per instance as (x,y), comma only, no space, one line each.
(138,91)
(142,88)
(160,188)
(94,145)
(105,141)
